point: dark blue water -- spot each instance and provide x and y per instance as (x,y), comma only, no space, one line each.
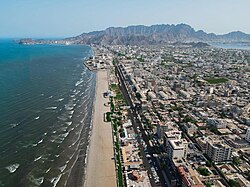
(46,98)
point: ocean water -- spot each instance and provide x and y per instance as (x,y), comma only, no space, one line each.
(46,101)
(244,46)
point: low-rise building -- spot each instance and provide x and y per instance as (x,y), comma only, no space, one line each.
(189,177)
(190,128)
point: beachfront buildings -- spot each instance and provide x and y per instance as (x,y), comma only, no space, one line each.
(197,101)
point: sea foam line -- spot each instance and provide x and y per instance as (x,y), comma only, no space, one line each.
(12,168)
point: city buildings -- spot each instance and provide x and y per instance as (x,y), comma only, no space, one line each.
(193,108)
(218,151)
(161,129)
(177,148)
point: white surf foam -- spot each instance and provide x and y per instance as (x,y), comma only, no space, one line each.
(77,92)
(72,96)
(12,168)
(64,135)
(59,100)
(67,107)
(69,123)
(38,158)
(78,83)
(63,168)
(63,129)
(71,112)
(62,118)
(13,125)
(47,170)
(40,141)
(51,108)
(55,180)
(39,181)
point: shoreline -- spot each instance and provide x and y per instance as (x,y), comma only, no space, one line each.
(100,149)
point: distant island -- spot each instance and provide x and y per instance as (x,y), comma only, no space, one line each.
(146,35)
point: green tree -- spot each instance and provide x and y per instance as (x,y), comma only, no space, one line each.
(236,161)
(163,165)
(208,184)
(214,130)
(208,163)
(108,116)
(233,183)
(203,171)
(138,95)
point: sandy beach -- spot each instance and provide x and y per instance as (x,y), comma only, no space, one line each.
(100,165)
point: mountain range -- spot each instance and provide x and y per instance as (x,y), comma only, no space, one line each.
(149,35)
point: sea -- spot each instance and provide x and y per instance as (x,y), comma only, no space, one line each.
(46,101)
(232,45)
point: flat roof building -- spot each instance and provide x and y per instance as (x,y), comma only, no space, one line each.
(177,149)
(218,151)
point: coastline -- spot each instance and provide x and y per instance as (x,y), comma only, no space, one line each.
(100,150)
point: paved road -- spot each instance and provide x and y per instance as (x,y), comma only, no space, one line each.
(136,123)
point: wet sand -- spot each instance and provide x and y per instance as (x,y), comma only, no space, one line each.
(100,170)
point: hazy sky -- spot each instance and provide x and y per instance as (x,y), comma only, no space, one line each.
(61,18)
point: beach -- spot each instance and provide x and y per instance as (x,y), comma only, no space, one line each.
(100,169)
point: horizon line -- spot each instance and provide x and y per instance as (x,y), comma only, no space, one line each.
(132,25)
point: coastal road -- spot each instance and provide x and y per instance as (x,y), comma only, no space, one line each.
(137,124)
(134,125)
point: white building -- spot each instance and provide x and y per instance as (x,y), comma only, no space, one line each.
(218,151)
(171,135)
(177,149)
